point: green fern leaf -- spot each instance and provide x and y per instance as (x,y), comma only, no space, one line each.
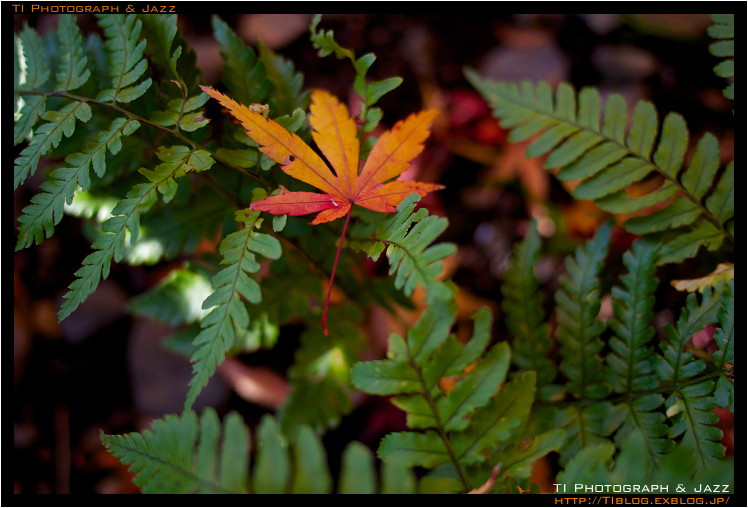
(413,260)
(676,364)
(46,208)
(585,426)
(180,455)
(522,304)
(414,449)
(517,462)
(690,409)
(643,416)
(31,73)
(231,283)
(607,160)
(110,246)
(243,73)
(578,304)
(475,389)
(500,421)
(286,93)
(724,28)
(273,468)
(357,474)
(629,359)
(724,357)
(162,31)
(48,135)
(71,72)
(126,61)
(311,474)
(183,113)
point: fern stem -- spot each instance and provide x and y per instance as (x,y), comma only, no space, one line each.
(172,132)
(426,394)
(332,275)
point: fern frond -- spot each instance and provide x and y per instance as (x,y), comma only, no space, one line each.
(72,72)
(578,331)
(162,31)
(690,409)
(183,113)
(676,363)
(522,304)
(30,72)
(231,284)
(286,95)
(629,359)
(46,208)
(607,160)
(724,28)
(48,135)
(190,454)
(126,62)
(243,73)
(181,454)
(413,260)
(110,246)
(724,357)
(643,416)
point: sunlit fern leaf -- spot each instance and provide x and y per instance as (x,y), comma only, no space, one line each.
(724,357)
(31,72)
(243,73)
(126,62)
(578,330)
(110,246)
(522,304)
(724,28)
(48,135)
(607,160)
(232,285)
(46,208)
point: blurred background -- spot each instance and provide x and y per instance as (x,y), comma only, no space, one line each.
(103,369)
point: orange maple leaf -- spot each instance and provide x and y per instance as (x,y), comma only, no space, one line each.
(334,132)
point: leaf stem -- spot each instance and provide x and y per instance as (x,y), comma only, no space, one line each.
(332,275)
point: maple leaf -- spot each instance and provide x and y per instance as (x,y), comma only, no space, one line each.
(347,183)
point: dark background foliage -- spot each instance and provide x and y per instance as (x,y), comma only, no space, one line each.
(102,369)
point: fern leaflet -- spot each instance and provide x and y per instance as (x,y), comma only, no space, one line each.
(110,246)
(72,72)
(607,160)
(523,306)
(243,73)
(724,357)
(46,208)
(724,28)
(126,62)
(578,304)
(219,327)
(48,135)
(413,260)
(31,73)
(190,454)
